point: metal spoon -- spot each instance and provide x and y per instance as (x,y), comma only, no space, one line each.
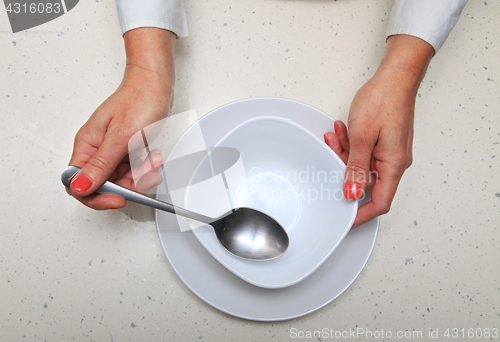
(244,232)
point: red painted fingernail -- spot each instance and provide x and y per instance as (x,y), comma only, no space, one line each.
(335,127)
(326,140)
(81,183)
(352,191)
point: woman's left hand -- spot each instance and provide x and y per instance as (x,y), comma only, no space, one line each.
(378,148)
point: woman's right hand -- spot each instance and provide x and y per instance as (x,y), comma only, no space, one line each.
(144,97)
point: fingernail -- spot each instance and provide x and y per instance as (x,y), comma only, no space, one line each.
(335,127)
(81,183)
(326,140)
(352,191)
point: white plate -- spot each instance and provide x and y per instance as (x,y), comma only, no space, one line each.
(292,176)
(220,288)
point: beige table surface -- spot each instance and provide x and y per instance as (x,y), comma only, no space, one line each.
(70,273)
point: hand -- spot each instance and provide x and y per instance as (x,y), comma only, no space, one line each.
(144,97)
(378,148)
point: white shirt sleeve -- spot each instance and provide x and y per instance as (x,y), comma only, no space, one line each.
(166,14)
(430,20)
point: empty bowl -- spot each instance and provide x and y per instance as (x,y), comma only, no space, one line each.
(283,170)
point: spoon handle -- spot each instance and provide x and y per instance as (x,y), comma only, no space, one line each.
(132,196)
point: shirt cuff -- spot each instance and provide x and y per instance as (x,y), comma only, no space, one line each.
(166,14)
(429,20)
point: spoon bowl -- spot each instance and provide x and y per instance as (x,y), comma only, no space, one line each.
(244,232)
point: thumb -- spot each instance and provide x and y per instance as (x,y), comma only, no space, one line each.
(99,168)
(358,164)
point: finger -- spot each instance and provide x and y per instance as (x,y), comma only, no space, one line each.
(362,142)
(372,176)
(338,141)
(343,138)
(85,145)
(382,195)
(341,131)
(149,181)
(366,213)
(101,201)
(147,177)
(332,140)
(122,170)
(107,201)
(99,168)
(153,162)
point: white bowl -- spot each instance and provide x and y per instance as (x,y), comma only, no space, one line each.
(284,171)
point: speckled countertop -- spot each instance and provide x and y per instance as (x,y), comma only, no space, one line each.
(71,273)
